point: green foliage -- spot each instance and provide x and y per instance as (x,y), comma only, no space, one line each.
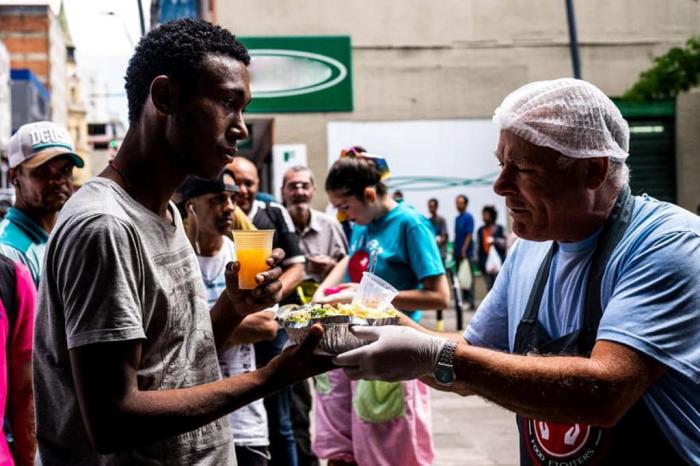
(676,71)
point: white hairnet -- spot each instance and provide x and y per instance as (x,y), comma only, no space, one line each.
(571,116)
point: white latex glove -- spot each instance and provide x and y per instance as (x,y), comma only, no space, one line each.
(396,353)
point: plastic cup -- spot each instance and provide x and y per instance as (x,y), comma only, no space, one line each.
(374,292)
(253,247)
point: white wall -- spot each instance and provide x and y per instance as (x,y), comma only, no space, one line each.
(430,148)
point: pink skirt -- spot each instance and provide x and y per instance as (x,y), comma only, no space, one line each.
(372,423)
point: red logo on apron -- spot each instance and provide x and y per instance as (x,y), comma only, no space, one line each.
(561,440)
(551,443)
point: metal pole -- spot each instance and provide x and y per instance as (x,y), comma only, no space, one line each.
(143,21)
(573,39)
(457,294)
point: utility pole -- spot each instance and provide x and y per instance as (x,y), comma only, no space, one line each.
(573,39)
(141,19)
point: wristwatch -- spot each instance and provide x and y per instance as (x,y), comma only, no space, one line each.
(444,370)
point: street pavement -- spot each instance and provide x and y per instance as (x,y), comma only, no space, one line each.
(470,431)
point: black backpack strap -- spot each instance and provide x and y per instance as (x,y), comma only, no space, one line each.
(8,288)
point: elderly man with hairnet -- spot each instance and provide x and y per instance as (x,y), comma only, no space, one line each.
(591,333)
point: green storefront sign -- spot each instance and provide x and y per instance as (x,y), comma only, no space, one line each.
(300,74)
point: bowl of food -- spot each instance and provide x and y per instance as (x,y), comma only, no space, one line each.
(336,320)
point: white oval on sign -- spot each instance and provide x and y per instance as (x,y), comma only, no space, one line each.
(284,73)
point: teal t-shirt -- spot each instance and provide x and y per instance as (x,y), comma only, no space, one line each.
(408,251)
(23,240)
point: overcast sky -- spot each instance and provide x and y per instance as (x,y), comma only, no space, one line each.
(103,42)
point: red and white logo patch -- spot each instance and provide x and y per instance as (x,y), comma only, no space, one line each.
(562,444)
(561,440)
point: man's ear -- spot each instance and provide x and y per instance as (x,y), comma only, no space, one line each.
(165,94)
(596,171)
(370,194)
(12,175)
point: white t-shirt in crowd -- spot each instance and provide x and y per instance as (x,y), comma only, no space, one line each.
(249,423)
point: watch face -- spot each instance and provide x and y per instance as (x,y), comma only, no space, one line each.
(444,375)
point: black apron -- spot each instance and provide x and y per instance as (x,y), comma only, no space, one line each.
(636,439)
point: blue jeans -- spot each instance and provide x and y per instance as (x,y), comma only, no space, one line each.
(283,446)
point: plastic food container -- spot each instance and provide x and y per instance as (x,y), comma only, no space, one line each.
(336,322)
(374,292)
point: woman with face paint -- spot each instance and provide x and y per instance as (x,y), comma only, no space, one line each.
(371,422)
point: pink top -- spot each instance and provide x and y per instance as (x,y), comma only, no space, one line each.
(20,346)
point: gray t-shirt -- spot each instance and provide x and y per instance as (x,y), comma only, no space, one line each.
(115,271)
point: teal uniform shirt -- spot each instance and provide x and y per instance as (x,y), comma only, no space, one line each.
(23,240)
(408,251)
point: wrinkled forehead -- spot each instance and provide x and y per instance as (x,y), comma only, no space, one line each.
(302,176)
(514,149)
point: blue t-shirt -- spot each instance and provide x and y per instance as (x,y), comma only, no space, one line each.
(23,240)
(650,295)
(464,225)
(408,254)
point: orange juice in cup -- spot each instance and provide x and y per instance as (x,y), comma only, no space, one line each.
(252,250)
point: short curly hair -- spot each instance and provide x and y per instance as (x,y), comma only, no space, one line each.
(176,49)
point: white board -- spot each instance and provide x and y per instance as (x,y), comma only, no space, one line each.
(285,156)
(462,149)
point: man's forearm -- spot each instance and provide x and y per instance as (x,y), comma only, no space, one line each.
(554,388)
(119,415)
(145,417)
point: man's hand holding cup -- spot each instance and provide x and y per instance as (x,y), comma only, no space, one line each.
(268,289)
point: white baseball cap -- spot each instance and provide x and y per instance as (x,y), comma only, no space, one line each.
(36,143)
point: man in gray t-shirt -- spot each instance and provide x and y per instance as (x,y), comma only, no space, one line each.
(125,360)
(139,287)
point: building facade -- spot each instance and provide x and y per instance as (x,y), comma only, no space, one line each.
(457,59)
(35,40)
